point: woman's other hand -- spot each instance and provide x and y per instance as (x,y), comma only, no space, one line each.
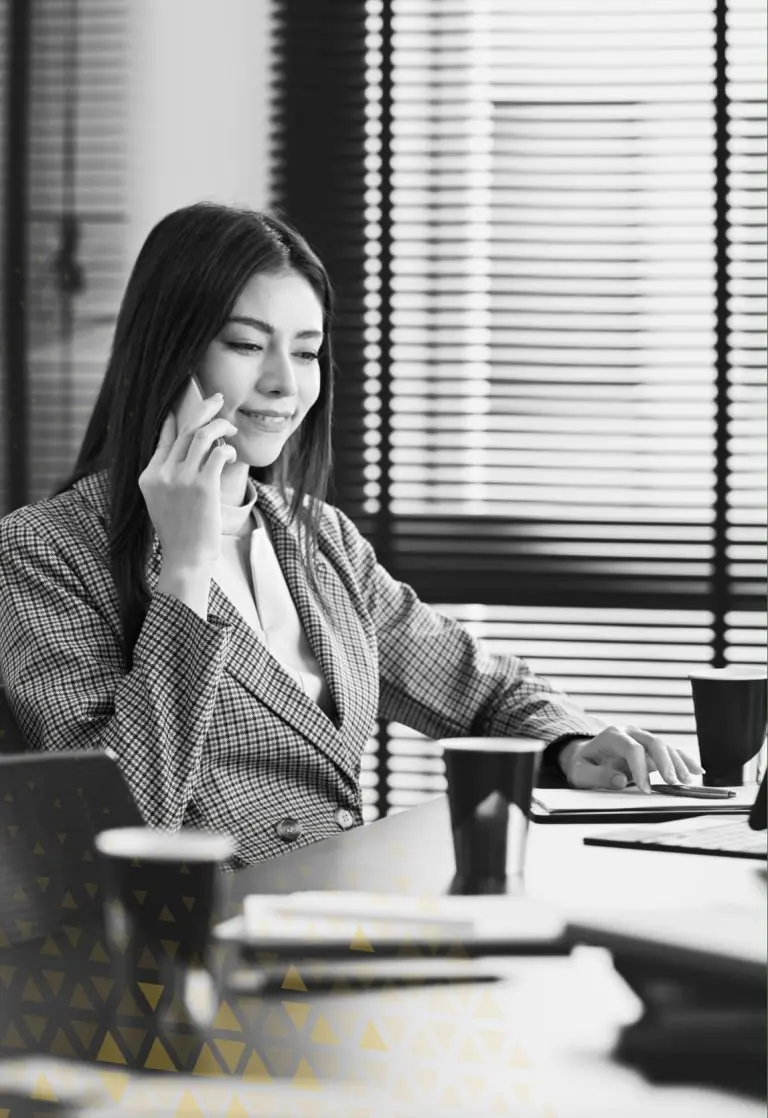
(621,754)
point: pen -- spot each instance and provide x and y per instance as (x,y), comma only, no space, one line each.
(698,793)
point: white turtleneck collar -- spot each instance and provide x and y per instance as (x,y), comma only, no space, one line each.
(236,519)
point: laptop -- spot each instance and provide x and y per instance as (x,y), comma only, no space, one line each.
(733,836)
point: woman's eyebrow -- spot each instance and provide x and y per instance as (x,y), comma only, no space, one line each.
(266,328)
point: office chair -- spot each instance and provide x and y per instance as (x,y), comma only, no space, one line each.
(52,805)
(11,738)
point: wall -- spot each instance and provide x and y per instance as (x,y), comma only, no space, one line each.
(198,94)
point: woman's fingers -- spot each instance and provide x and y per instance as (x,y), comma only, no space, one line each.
(672,764)
(691,764)
(218,459)
(184,437)
(203,440)
(659,751)
(167,438)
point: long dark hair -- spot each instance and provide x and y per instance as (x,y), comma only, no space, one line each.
(184,284)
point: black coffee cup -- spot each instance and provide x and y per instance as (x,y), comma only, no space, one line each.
(490,781)
(730,706)
(162,892)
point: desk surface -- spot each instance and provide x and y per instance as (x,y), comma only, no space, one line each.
(527,1037)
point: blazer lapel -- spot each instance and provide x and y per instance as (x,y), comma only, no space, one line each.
(256,669)
(339,648)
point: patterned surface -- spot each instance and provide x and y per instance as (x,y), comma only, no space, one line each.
(207,727)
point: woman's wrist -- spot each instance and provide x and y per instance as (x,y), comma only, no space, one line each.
(191,585)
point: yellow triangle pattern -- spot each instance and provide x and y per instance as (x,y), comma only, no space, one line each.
(371,1040)
(256,1068)
(43,1089)
(359,942)
(188,1107)
(323,1033)
(225,1019)
(35,1024)
(305,1077)
(152,992)
(206,1064)
(293,980)
(231,1051)
(236,1109)
(103,987)
(115,1083)
(49,947)
(31,992)
(109,1053)
(54,979)
(298,1013)
(80,999)
(487,1006)
(517,1058)
(468,1053)
(158,1058)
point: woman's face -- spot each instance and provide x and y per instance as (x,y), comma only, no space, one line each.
(264,362)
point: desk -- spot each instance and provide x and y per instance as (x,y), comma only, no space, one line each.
(533,1043)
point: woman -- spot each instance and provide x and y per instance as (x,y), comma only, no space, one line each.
(189,602)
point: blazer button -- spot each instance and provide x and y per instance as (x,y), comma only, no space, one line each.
(344,818)
(289,829)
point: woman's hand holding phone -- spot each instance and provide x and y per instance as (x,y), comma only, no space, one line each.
(181,486)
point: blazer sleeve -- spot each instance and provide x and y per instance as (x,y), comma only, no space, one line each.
(61,660)
(436,678)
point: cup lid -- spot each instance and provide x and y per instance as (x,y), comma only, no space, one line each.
(494,745)
(153,845)
(731,672)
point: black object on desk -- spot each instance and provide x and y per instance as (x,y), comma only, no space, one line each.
(732,836)
(52,805)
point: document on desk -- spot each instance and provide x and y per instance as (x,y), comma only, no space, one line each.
(359,925)
(595,805)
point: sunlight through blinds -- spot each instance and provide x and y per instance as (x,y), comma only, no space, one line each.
(554,411)
(546,223)
(746,73)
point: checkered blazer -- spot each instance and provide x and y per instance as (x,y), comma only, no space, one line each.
(207,727)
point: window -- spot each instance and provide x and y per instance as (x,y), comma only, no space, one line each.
(68,211)
(547,224)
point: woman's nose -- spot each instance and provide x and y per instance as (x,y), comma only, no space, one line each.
(276,377)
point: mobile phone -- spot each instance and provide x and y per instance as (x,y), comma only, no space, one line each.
(189,407)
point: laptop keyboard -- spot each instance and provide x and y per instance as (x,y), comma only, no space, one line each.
(732,837)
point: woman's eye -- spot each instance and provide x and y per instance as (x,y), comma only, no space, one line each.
(245,347)
(308,355)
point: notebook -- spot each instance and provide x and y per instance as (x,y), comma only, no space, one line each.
(604,805)
(734,837)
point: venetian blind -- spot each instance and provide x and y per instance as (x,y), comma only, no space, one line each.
(747,311)
(77,160)
(556,411)
(563,374)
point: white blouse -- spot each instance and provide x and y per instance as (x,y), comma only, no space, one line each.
(249,573)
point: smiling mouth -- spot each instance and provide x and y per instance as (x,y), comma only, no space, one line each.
(267,421)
